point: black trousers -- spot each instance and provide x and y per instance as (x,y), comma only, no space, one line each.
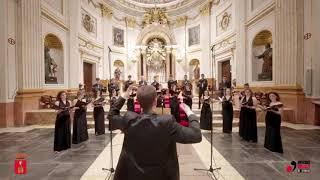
(201,93)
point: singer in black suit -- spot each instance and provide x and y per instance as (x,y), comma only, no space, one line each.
(171,83)
(113,86)
(155,83)
(98,86)
(149,149)
(128,83)
(143,81)
(202,84)
(225,84)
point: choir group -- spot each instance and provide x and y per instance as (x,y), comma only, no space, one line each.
(169,99)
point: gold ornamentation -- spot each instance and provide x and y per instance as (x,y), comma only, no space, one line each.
(131,22)
(205,10)
(225,21)
(216,2)
(181,21)
(155,15)
(105,10)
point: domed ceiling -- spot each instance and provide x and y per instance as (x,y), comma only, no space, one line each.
(139,7)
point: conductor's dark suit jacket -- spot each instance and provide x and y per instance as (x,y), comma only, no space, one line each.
(149,148)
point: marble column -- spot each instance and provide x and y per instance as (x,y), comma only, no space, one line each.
(288,50)
(8,82)
(205,39)
(31,64)
(3,50)
(240,55)
(288,56)
(30,58)
(316,47)
(75,62)
(168,65)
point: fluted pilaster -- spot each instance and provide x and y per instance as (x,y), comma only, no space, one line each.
(30,60)
(75,63)
(288,50)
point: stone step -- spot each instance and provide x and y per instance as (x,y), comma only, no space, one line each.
(215,122)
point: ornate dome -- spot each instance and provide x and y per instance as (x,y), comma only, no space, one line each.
(139,7)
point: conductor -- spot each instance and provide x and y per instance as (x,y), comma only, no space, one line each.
(149,148)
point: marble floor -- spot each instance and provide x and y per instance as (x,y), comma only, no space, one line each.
(238,159)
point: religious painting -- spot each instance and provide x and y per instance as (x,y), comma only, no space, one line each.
(53,60)
(262,57)
(194,35)
(118,37)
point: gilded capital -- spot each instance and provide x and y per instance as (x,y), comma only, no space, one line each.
(105,10)
(205,10)
(181,21)
(131,22)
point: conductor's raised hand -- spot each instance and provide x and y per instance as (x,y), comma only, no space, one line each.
(129,90)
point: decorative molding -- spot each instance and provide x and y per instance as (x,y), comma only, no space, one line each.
(88,43)
(131,22)
(155,15)
(181,21)
(48,15)
(261,14)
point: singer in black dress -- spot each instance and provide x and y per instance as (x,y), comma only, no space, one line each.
(272,139)
(206,113)
(174,104)
(248,117)
(130,101)
(187,93)
(227,111)
(80,129)
(62,132)
(98,114)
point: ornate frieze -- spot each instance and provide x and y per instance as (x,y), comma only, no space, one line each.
(155,15)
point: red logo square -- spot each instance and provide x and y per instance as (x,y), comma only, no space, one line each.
(20,166)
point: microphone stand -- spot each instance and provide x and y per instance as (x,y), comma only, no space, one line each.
(211,169)
(111,169)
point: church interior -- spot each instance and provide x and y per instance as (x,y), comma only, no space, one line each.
(50,46)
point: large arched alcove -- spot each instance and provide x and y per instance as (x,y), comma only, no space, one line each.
(53,60)
(156,45)
(118,66)
(262,68)
(194,69)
